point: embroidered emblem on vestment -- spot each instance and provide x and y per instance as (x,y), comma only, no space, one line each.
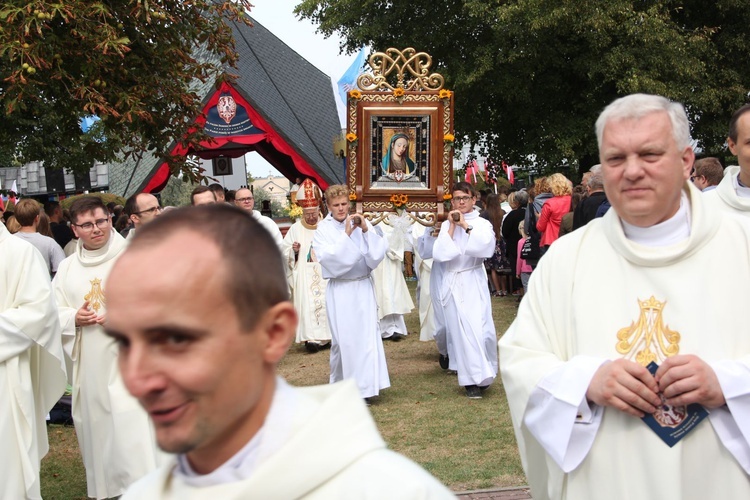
(95,297)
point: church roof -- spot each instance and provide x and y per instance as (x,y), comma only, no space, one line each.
(286,90)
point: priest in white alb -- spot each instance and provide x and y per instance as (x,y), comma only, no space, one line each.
(32,369)
(616,299)
(304,273)
(115,436)
(349,249)
(461,247)
(391,292)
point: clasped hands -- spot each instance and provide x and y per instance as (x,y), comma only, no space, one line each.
(350,226)
(630,387)
(85,316)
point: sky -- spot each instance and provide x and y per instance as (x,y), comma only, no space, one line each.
(278,17)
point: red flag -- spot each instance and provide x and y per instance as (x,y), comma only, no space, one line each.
(509,172)
(472,169)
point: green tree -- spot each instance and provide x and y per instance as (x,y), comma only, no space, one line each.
(134,64)
(177,192)
(531,76)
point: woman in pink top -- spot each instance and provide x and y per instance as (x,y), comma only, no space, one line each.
(554,209)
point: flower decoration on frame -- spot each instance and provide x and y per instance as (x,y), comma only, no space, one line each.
(445,94)
(351,138)
(399,93)
(447,197)
(355,94)
(399,201)
(448,140)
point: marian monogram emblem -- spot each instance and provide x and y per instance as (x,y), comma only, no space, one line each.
(648,339)
(227,108)
(95,297)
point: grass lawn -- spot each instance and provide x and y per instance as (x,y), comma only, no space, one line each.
(467,444)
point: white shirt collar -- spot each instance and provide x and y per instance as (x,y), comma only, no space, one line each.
(672,231)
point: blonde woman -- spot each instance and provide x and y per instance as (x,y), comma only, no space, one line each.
(554,209)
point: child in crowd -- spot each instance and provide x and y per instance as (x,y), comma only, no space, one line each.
(523,269)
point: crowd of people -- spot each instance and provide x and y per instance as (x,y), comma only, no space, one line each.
(169,335)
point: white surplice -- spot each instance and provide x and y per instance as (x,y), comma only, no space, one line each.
(32,368)
(391,292)
(347,261)
(646,308)
(729,195)
(305,277)
(115,435)
(465,299)
(423,270)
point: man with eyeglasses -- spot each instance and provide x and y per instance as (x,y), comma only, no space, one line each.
(464,241)
(141,209)
(707,174)
(246,201)
(114,434)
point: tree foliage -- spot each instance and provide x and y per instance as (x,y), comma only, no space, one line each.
(132,63)
(531,76)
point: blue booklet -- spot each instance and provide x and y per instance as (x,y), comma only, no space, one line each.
(672,423)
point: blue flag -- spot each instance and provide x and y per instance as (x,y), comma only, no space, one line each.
(348,80)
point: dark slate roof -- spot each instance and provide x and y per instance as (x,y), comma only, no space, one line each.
(290,93)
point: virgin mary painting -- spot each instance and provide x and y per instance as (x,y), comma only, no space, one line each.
(396,163)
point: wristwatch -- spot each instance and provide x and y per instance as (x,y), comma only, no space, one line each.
(468,229)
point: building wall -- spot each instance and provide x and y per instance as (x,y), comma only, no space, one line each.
(235,181)
(31,180)
(276,186)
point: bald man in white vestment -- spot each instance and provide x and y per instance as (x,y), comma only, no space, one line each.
(618,294)
(32,368)
(200,330)
(114,435)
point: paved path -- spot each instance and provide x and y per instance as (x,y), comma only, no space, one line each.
(520,493)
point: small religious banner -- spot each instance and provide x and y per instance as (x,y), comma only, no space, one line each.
(672,423)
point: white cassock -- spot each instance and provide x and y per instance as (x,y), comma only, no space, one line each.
(465,299)
(423,269)
(270,226)
(391,292)
(425,246)
(32,368)
(114,433)
(305,277)
(729,195)
(347,261)
(647,306)
(348,461)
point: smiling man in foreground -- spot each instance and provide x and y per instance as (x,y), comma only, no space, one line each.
(200,329)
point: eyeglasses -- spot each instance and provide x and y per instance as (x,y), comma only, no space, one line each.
(244,200)
(461,199)
(89,226)
(151,210)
